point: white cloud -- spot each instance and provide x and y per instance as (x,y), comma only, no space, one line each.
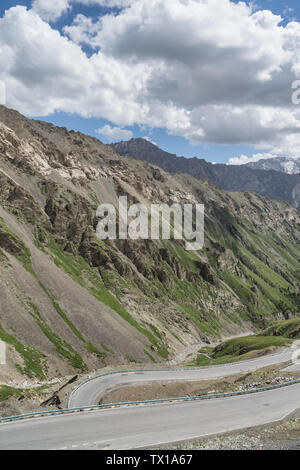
(114,134)
(106,3)
(44,72)
(212,78)
(50,10)
(82,30)
(149,140)
(244,159)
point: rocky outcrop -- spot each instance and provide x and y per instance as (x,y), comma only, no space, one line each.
(31,157)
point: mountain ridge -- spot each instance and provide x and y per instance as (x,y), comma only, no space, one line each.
(269,183)
(291,166)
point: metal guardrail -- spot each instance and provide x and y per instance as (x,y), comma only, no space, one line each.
(132,403)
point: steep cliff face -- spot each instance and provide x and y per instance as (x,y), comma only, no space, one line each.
(70,302)
(273,184)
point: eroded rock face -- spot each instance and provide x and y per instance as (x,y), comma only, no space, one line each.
(30,156)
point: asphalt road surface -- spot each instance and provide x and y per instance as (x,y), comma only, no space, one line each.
(153,425)
(91,392)
(141,426)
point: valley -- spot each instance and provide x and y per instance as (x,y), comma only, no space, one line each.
(71,303)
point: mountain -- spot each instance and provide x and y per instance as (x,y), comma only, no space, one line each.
(71,303)
(291,166)
(269,183)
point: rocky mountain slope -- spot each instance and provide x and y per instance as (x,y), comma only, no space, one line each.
(71,303)
(291,166)
(272,184)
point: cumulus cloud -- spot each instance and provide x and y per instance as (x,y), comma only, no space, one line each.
(244,159)
(45,72)
(82,30)
(114,134)
(50,10)
(106,3)
(210,78)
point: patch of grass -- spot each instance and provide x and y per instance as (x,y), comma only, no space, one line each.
(62,347)
(32,358)
(207,350)
(6,392)
(237,349)
(131,359)
(149,355)
(285,328)
(211,327)
(240,287)
(186,258)
(107,349)
(15,246)
(266,273)
(87,344)
(239,346)
(93,350)
(155,331)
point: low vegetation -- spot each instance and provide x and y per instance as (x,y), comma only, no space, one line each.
(39,392)
(239,349)
(287,329)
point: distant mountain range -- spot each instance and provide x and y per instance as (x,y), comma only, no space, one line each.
(267,182)
(291,166)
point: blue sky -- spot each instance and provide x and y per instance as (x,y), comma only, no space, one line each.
(174,138)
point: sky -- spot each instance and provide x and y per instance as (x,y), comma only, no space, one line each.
(205,78)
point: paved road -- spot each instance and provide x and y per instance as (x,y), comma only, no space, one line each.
(292,368)
(152,425)
(128,428)
(90,393)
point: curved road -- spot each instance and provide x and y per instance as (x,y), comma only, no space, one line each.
(91,392)
(152,425)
